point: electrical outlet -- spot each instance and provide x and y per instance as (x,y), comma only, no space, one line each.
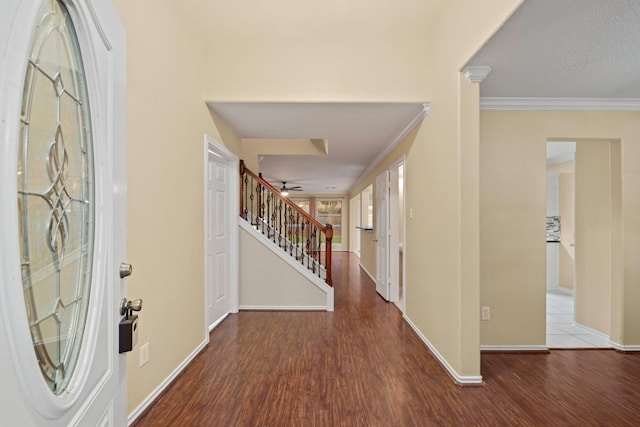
(486,313)
(144,354)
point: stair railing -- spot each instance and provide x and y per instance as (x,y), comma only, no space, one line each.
(286,224)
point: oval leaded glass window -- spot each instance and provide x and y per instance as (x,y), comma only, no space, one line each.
(56,196)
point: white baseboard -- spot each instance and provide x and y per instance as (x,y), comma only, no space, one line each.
(155,393)
(515,348)
(217,322)
(625,348)
(284,307)
(368,274)
(459,379)
(593,331)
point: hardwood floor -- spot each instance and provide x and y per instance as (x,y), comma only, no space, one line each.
(363,366)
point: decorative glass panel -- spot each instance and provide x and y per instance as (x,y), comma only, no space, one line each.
(56,196)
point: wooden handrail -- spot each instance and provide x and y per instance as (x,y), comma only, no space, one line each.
(326,229)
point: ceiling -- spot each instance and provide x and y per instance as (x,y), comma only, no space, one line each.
(357,134)
(547,49)
(565,49)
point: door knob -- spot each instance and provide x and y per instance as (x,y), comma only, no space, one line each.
(125,270)
(127,306)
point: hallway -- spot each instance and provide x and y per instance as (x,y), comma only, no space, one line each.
(363,366)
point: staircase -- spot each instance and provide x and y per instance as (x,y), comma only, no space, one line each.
(285,224)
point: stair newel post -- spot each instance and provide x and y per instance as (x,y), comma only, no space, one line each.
(328,279)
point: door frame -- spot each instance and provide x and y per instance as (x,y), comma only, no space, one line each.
(233,190)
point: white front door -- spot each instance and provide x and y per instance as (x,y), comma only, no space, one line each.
(62,213)
(382,234)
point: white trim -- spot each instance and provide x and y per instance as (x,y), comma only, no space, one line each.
(402,134)
(515,348)
(284,307)
(560,104)
(216,323)
(328,290)
(625,348)
(593,331)
(460,379)
(476,73)
(166,383)
(367,273)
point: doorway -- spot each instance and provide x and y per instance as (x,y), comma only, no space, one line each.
(581,206)
(221,233)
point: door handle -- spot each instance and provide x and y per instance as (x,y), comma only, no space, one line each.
(128,306)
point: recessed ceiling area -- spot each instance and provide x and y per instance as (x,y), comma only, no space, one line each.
(565,49)
(357,134)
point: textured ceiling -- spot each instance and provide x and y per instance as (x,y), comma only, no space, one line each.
(565,49)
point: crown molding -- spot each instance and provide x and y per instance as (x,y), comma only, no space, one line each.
(476,73)
(402,134)
(560,104)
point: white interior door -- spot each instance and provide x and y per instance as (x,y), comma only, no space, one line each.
(63,213)
(218,240)
(382,235)
(394,234)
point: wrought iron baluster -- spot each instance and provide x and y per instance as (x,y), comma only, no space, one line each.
(246,191)
(280,223)
(302,242)
(267,216)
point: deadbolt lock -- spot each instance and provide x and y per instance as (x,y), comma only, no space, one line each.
(125,270)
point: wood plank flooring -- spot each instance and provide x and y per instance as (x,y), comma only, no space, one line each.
(363,366)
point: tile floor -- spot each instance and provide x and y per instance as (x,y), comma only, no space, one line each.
(562,331)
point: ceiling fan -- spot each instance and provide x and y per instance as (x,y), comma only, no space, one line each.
(284,190)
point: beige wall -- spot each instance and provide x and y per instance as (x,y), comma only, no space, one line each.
(167,119)
(594,209)
(368,252)
(323,51)
(442,248)
(353,222)
(513,203)
(266,281)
